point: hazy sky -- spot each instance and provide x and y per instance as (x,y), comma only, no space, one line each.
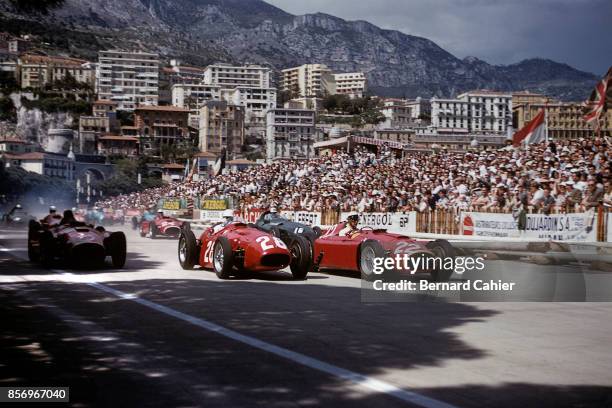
(576,32)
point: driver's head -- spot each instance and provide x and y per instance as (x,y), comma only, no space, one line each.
(353,220)
(18,206)
(68,215)
(228,215)
(160,213)
(52,209)
(273,210)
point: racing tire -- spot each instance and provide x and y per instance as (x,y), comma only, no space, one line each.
(443,249)
(223,261)
(117,248)
(47,247)
(152,231)
(301,257)
(33,233)
(187,249)
(369,250)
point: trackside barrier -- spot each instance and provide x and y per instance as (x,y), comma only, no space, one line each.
(484,226)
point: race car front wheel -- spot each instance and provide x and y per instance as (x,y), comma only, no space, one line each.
(117,248)
(301,257)
(441,249)
(369,251)
(187,249)
(223,258)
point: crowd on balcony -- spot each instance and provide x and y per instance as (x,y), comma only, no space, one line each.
(564,176)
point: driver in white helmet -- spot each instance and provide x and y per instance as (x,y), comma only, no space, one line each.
(271,214)
(228,218)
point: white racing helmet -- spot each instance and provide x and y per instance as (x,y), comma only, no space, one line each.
(228,214)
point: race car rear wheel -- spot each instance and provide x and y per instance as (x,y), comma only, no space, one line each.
(441,249)
(187,249)
(301,257)
(33,235)
(368,251)
(152,231)
(47,249)
(117,248)
(223,258)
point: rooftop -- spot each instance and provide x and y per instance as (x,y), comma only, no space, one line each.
(162,109)
(116,137)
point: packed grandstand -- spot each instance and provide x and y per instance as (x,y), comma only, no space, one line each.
(562,176)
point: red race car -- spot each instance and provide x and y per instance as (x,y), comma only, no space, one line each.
(238,247)
(75,242)
(356,251)
(161,226)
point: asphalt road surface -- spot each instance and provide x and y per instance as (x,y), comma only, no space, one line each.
(152,334)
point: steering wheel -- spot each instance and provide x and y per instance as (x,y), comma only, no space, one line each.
(366,229)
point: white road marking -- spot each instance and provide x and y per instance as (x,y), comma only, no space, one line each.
(361,380)
(344,374)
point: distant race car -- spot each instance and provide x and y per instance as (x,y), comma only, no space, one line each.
(238,247)
(161,226)
(357,251)
(79,244)
(286,229)
(17,217)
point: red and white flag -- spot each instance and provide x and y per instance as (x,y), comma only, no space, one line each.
(533,132)
(599,101)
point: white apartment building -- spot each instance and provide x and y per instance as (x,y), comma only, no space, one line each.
(474,112)
(397,113)
(419,108)
(450,115)
(255,101)
(308,80)
(129,78)
(290,133)
(232,76)
(194,96)
(489,111)
(352,84)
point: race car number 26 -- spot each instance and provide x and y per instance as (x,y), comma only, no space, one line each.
(270,242)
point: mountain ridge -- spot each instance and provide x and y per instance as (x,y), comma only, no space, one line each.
(396,63)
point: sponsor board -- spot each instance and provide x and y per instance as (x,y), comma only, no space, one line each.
(401,223)
(211,215)
(252,215)
(171,204)
(213,204)
(303,217)
(555,227)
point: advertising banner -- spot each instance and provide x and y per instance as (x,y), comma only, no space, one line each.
(171,204)
(401,223)
(303,217)
(213,204)
(252,215)
(555,227)
(211,216)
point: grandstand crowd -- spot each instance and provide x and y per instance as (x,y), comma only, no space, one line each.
(562,176)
